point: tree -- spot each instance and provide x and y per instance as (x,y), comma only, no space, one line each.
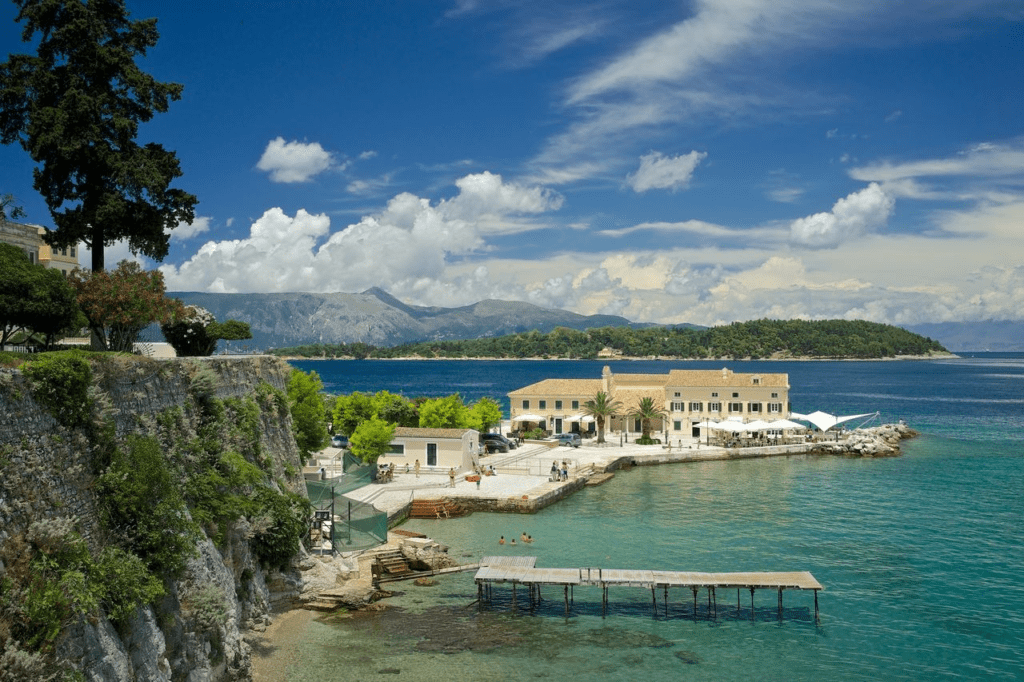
(9,209)
(194,331)
(484,414)
(444,413)
(54,307)
(371,439)
(646,410)
(187,332)
(306,404)
(601,407)
(75,107)
(352,410)
(121,303)
(17,279)
(395,409)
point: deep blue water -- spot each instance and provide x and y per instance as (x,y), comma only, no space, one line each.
(921,556)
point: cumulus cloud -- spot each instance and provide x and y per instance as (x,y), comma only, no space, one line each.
(665,172)
(850,217)
(404,247)
(188,230)
(294,161)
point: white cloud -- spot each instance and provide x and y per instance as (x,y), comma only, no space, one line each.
(785,195)
(405,247)
(984,160)
(294,161)
(369,154)
(853,216)
(188,230)
(665,172)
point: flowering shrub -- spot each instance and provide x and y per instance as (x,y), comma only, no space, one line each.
(188,331)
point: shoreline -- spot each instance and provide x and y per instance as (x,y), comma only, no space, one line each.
(631,358)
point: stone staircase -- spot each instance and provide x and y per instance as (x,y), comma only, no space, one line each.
(435,509)
(391,562)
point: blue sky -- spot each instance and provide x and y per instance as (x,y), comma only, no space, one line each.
(705,161)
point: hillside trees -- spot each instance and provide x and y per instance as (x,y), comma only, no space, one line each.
(76,106)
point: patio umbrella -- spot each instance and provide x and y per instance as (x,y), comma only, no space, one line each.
(528,417)
(756,425)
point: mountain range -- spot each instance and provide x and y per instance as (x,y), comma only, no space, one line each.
(376,317)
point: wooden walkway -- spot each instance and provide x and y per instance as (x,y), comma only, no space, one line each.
(523,570)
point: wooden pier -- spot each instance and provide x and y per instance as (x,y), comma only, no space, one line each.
(523,570)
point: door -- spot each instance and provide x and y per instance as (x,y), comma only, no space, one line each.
(558,425)
(431,454)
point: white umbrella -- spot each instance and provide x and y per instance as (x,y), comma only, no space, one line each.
(528,417)
(756,425)
(727,425)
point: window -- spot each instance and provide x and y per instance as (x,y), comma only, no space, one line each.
(677,426)
(775,395)
(677,407)
(677,394)
(542,404)
(397,449)
(735,395)
(755,407)
(714,394)
(558,404)
(526,404)
(774,408)
(73,252)
(757,381)
(696,407)
(575,404)
(714,407)
(431,454)
(735,407)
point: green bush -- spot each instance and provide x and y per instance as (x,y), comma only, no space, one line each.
(283,524)
(60,383)
(141,505)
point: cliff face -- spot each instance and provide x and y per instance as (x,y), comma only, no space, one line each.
(53,478)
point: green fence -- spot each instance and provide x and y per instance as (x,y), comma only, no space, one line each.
(357,525)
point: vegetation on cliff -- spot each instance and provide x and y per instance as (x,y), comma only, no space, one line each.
(756,339)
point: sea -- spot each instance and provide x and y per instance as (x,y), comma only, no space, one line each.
(921,556)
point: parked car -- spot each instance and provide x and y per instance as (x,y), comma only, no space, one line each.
(497,437)
(339,440)
(571,440)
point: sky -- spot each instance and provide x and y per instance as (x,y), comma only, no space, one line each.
(702,161)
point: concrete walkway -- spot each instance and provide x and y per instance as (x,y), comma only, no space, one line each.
(523,475)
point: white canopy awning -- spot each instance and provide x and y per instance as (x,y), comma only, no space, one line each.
(785,424)
(756,425)
(825,421)
(528,417)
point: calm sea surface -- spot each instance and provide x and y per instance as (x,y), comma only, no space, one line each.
(921,556)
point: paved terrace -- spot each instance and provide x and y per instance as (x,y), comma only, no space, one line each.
(523,484)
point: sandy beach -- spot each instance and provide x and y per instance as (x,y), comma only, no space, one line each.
(275,649)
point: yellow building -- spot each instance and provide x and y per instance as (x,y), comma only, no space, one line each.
(687,396)
(29,238)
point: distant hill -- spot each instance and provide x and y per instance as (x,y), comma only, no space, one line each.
(378,318)
(997,336)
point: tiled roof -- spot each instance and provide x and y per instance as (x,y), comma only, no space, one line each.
(416,432)
(562,387)
(723,378)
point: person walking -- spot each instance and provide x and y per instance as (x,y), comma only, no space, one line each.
(417,468)
(451,477)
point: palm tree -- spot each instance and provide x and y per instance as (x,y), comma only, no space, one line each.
(601,408)
(645,411)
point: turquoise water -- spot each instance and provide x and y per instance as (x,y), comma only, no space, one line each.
(921,557)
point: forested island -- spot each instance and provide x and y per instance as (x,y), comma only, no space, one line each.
(757,339)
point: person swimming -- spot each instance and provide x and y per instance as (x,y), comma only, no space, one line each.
(501,540)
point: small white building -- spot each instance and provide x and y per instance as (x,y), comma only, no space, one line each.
(437,450)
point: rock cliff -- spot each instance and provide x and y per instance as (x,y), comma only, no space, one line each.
(69,600)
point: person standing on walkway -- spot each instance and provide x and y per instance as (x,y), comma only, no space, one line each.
(417,468)
(554,471)
(565,470)
(451,477)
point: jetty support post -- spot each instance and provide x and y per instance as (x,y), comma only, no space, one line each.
(816,606)
(666,600)
(654,602)
(694,588)
(567,600)
(513,595)
(780,603)
(751,603)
